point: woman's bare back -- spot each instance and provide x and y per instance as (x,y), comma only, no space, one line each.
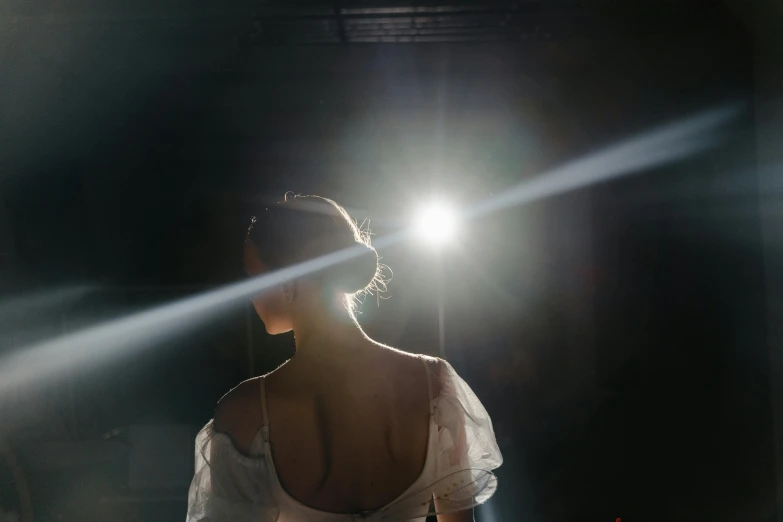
(344,439)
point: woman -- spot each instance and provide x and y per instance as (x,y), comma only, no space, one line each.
(348,429)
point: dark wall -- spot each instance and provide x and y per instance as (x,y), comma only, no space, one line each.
(615,334)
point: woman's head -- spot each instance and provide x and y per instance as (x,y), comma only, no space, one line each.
(298,229)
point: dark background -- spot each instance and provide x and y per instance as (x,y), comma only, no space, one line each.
(616,334)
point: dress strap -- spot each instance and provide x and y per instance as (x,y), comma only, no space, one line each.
(262,396)
(427,371)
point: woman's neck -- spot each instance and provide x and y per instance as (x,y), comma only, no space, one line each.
(325,341)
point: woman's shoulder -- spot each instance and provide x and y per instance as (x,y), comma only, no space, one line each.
(239,414)
(434,363)
(408,360)
(437,369)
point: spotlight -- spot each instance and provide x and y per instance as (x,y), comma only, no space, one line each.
(436,223)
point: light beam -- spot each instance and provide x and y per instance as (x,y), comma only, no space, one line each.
(100,343)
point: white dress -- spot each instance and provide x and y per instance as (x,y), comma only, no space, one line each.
(461,454)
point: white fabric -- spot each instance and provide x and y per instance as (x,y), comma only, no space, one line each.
(461,454)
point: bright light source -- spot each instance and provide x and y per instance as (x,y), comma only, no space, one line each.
(436,223)
(127,335)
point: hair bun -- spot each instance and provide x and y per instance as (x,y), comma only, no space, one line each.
(358,273)
(302,228)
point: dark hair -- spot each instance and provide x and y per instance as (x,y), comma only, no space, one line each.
(301,228)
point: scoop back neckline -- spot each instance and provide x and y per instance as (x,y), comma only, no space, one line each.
(264,433)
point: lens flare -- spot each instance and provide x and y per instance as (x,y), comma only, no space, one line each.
(436,223)
(125,336)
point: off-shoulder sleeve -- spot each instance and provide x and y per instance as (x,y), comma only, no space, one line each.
(227,485)
(467,452)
